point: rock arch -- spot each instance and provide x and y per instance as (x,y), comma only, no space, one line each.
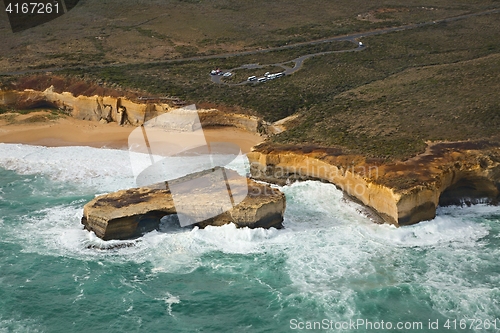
(402,192)
(133,212)
(470,190)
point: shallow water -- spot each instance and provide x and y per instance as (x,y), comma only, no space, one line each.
(330,262)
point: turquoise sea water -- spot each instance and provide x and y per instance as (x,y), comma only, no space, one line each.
(330,264)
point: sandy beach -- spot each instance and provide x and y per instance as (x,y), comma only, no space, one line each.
(67,131)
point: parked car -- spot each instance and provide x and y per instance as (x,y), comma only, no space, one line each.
(262,79)
(227,74)
(252,78)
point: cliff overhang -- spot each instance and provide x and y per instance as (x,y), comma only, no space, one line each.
(122,110)
(401,193)
(131,213)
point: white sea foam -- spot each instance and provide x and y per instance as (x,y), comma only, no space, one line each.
(334,250)
(169,299)
(442,230)
(331,249)
(59,233)
(106,169)
(103,169)
(16,325)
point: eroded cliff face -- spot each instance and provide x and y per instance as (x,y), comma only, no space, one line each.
(402,193)
(121,110)
(131,213)
(214,117)
(95,108)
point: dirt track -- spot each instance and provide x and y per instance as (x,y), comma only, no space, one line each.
(351,37)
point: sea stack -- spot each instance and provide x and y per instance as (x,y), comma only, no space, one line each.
(131,213)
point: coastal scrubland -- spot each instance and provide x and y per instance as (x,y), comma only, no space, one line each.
(99,32)
(438,82)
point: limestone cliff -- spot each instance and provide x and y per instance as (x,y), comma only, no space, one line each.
(130,213)
(86,107)
(401,192)
(214,117)
(121,109)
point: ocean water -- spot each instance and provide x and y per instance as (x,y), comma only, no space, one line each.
(329,267)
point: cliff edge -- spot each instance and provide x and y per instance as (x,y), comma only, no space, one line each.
(122,109)
(133,212)
(402,193)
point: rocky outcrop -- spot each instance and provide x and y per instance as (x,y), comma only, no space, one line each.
(123,110)
(95,108)
(402,193)
(131,213)
(214,117)
(23,100)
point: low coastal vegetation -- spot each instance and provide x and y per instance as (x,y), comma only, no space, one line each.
(17,117)
(108,32)
(395,116)
(431,83)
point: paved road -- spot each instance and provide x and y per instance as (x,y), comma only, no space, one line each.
(298,62)
(350,37)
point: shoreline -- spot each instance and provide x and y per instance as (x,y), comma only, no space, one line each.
(401,192)
(68,131)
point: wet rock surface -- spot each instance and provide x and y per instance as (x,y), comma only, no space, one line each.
(401,192)
(130,213)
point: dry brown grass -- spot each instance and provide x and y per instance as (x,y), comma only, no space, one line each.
(394,117)
(100,32)
(432,83)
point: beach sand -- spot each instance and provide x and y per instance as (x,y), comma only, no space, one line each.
(67,131)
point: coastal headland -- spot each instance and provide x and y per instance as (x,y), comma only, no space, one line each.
(400,192)
(405,125)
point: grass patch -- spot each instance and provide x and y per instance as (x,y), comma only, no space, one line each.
(34,119)
(186,51)
(12,116)
(138,31)
(8,118)
(432,83)
(394,117)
